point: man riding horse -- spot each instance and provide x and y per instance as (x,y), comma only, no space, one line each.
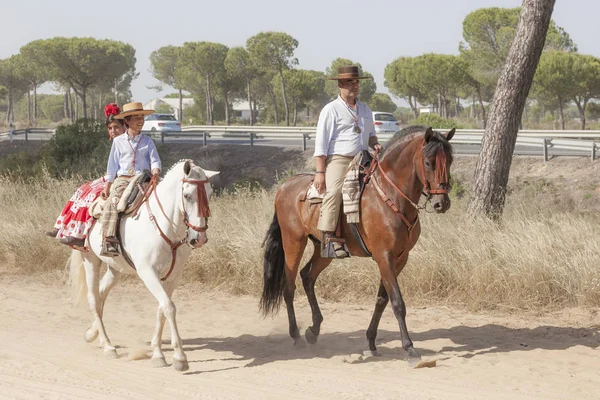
(345,128)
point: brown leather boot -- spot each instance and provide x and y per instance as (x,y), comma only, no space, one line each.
(51,233)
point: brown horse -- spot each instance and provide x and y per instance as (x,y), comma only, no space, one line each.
(415,161)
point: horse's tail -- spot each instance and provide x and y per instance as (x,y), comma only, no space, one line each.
(274,269)
(77,280)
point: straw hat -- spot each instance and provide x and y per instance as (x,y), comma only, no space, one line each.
(348,72)
(133,109)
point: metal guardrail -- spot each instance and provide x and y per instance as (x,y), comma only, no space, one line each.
(573,140)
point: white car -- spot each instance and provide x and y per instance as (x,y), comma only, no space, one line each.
(385,122)
(161,123)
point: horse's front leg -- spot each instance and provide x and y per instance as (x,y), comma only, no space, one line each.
(110,279)
(153,283)
(92,271)
(158,358)
(387,269)
(380,304)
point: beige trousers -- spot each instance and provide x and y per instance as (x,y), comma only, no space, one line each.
(110,215)
(336,167)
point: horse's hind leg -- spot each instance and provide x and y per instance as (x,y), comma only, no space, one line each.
(293,249)
(309,275)
(158,358)
(92,271)
(110,279)
(153,283)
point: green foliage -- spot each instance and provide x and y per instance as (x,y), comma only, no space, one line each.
(21,165)
(382,102)
(435,121)
(82,63)
(80,148)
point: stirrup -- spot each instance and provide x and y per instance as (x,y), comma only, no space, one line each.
(110,247)
(332,247)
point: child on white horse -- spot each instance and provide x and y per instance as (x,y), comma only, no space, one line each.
(130,154)
(74,222)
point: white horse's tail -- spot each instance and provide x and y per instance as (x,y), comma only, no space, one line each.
(77,280)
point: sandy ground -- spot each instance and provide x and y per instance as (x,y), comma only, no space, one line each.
(235,354)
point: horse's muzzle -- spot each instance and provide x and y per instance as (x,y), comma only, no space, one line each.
(199,242)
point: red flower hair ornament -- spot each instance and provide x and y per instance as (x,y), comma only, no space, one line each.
(111,109)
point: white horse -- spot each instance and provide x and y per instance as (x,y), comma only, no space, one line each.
(176,213)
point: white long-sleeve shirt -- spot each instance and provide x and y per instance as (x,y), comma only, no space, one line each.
(120,159)
(335,129)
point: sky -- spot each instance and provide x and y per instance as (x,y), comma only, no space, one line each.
(372,33)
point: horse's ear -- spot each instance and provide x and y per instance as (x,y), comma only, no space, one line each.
(187,167)
(450,134)
(209,174)
(428,134)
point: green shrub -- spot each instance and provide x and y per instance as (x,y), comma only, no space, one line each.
(80,148)
(435,121)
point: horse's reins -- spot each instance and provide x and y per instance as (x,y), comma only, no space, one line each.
(203,212)
(441,177)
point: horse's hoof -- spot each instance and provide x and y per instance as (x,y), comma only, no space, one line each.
(158,362)
(299,343)
(111,354)
(310,336)
(181,365)
(413,362)
(89,336)
(371,353)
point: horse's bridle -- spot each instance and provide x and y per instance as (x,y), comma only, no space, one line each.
(201,200)
(203,212)
(441,179)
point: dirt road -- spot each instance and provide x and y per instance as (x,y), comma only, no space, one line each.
(235,354)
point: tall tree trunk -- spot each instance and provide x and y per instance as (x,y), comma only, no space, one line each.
(72,105)
(226,100)
(250,102)
(9,110)
(66,105)
(29,107)
(456,106)
(35,106)
(295,113)
(274,101)
(84,101)
(209,103)
(493,165)
(180,106)
(561,113)
(581,108)
(413,106)
(285,102)
(480,98)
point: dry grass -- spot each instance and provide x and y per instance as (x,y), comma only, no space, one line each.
(539,257)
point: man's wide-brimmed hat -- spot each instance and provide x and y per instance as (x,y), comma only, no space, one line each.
(348,72)
(133,109)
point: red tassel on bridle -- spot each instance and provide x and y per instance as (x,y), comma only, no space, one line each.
(441,174)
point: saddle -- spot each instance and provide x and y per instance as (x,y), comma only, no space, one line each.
(130,201)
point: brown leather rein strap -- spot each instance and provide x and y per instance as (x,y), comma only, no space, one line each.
(202,209)
(375,164)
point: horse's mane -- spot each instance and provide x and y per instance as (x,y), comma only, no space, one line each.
(177,163)
(406,135)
